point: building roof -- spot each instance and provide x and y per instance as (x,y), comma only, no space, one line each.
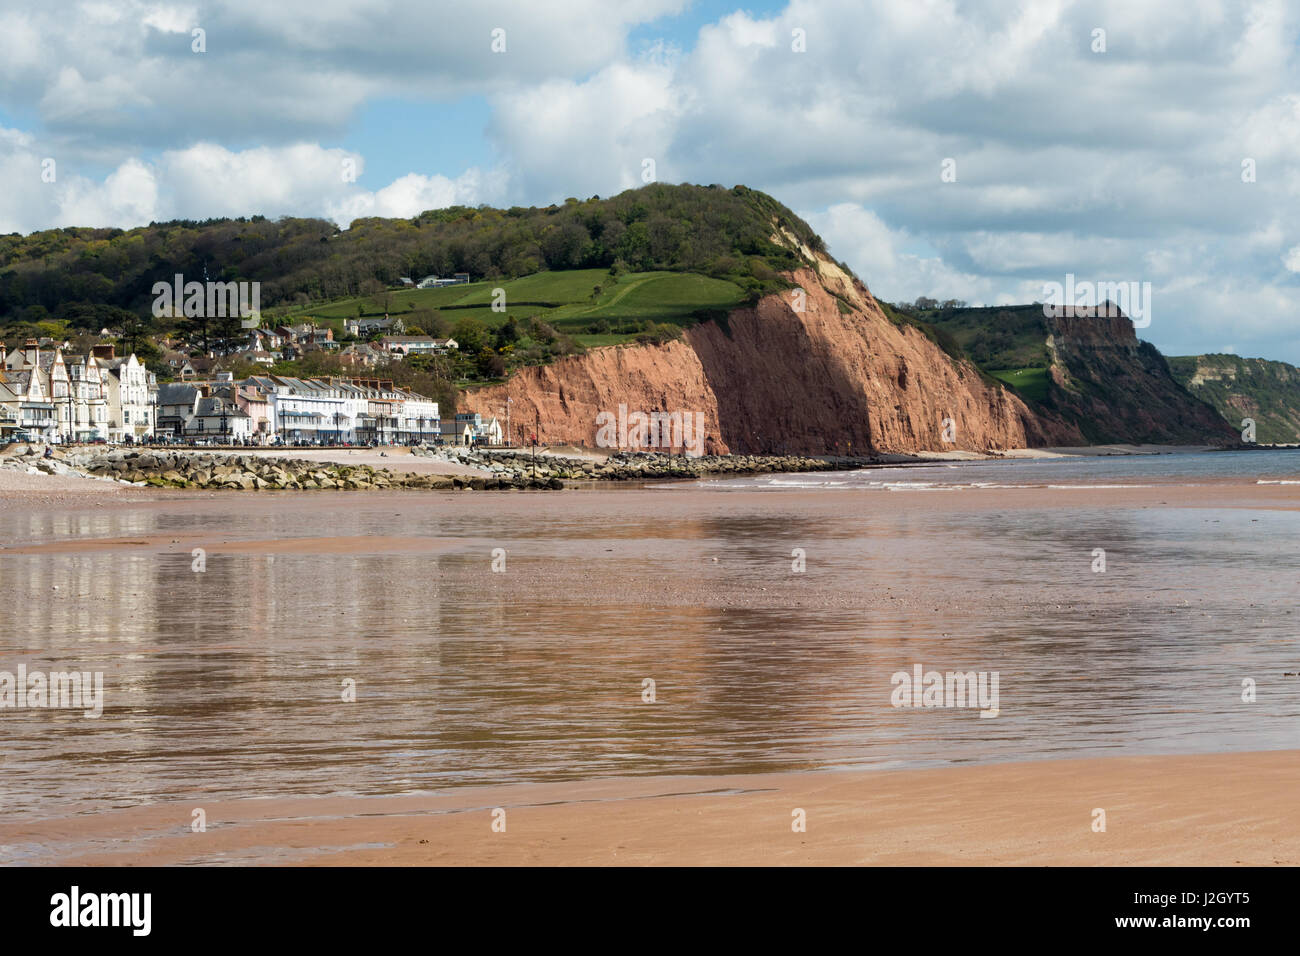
(174,393)
(216,407)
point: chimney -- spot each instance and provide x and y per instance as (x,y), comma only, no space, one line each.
(32,352)
(204,390)
(104,351)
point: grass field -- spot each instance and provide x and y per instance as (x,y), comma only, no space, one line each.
(550,288)
(1029,382)
(995,337)
(567,300)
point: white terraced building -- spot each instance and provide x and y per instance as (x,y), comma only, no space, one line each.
(309,410)
(419,418)
(335,410)
(131,391)
(76,398)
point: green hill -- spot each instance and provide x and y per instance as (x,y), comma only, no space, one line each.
(1088,373)
(82,274)
(591,305)
(1267,391)
(994,337)
(637,266)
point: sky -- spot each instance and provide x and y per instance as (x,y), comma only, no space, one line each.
(968,150)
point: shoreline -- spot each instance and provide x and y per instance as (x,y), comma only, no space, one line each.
(1169,810)
(19,485)
(48,491)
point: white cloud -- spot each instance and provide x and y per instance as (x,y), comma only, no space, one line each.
(70,96)
(1119,165)
(288,70)
(413,194)
(170,19)
(877,254)
(594,136)
(207,180)
(128,195)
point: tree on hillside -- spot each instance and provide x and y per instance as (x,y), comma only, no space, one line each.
(430,375)
(136,335)
(299,261)
(489,364)
(319,364)
(469,335)
(227,334)
(508,333)
(198,328)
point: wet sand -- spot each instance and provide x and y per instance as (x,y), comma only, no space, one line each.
(19,487)
(1205,810)
(350,544)
(1101,451)
(760,665)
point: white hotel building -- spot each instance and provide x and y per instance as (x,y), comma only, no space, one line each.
(337,410)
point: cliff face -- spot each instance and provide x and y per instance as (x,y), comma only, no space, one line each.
(1115,388)
(840,372)
(823,370)
(560,402)
(815,374)
(1078,333)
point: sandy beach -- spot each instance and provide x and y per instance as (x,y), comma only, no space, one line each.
(522,690)
(1205,810)
(662,434)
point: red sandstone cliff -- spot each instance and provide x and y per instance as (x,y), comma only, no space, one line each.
(566,396)
(836,376)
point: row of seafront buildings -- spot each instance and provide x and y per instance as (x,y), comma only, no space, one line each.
(267,409)
(263,409)
(47,396)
